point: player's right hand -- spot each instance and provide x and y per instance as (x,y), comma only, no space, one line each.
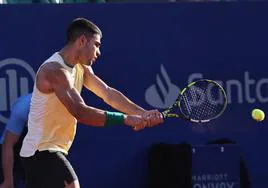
(152,118)
(137,122)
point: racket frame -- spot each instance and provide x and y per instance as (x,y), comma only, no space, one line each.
(166,113)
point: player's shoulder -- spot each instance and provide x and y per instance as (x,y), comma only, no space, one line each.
(53,70)
(54,62)
(51,65)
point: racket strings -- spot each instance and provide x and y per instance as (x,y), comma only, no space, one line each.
(202,101)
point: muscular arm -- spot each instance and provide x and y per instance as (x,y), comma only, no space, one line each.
(59,83)
(52,77)
(110,95)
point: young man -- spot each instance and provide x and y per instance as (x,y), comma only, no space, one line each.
(11,141)
(57,105)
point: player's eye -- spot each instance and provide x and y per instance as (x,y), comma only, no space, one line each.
(97,44)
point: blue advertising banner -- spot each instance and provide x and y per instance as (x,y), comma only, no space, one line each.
(149,53)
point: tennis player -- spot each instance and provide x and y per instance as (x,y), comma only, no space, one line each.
(57,106)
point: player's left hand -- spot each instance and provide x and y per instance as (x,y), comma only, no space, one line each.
(152,118)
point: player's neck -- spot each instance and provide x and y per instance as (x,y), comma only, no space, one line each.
(69,56)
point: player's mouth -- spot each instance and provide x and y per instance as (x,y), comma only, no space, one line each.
(94,59)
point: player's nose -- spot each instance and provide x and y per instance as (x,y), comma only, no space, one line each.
(98,53)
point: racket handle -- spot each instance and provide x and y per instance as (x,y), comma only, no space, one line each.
(164,115)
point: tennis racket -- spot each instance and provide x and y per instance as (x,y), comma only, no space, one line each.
(200,102)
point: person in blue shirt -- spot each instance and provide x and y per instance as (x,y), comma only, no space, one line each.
(11,142)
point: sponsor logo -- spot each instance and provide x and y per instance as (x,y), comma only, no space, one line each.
(164,92)
(220,180)
(245,89)
(16,79)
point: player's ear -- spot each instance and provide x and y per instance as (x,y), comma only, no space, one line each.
(82,41)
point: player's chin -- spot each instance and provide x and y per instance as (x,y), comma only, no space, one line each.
(89,63)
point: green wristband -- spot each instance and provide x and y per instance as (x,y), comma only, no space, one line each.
(114,118)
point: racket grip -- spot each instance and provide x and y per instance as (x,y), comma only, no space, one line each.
(164,115)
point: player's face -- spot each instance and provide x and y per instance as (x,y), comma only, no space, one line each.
(91,50)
